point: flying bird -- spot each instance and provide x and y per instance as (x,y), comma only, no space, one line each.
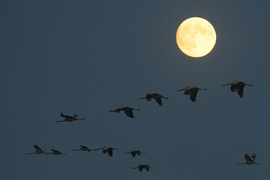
(38,150)
(237,86)
(191,91)
(55,152)
(135,152)
(83,148)
(128,110)
(107,149)
(143,166)
(250,160)
(155,96)
(70,118)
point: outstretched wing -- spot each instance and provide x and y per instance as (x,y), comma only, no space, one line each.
(37,148)
(110,152)
(66,116)
(240,90)
(129,113)
(253,157)
(193,95)
(158,100)
(248,159)
(148,97)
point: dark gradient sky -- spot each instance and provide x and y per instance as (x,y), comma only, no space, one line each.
(92,56)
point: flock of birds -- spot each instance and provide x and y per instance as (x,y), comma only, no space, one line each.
(235,86)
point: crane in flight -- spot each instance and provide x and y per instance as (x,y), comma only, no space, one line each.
(56,152)
(38,150)
(250,160)
(135,152)
(143,166)
(82,148)
(155,96)
(128,110)
(237,86)
(191,91)
(68,118)
(107,149)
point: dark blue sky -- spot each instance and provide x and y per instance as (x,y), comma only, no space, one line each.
(92,56)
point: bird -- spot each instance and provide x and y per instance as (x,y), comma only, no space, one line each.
(128,110)
(83,148)
(69,118)
(250,160)
(135,152)
(155,96)
(238,86)
(38,150)
(143,166)
(55,152)
(191,91)
(107,149)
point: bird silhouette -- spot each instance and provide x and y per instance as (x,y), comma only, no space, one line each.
(191,91)
(83,148)
(237,86)
(155,96)
(250,160)
(55,152)
(128,110)
(38,150)
(135,152)
(143,166)
(70,118)
(107,149)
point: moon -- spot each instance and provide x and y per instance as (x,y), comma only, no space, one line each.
(196,37)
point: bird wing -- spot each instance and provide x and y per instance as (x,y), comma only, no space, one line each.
(193,95)
(64,115)
(253,157)
(133,153)
(67,116)
(187,91)
(240,90)
(248,159)
(55,151)
(148,97)
(129,113)
(110,152)
(37,148)
(158,100)
(234,87)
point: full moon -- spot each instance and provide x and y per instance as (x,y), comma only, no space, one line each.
(196,37)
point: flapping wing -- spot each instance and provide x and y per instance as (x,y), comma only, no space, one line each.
(158,100)
(37,148)
(129,113)
(240,90)
(248,159)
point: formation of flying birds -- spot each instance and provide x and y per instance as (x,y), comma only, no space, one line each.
(191,91)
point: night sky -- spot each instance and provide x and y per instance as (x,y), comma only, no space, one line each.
(91,56)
